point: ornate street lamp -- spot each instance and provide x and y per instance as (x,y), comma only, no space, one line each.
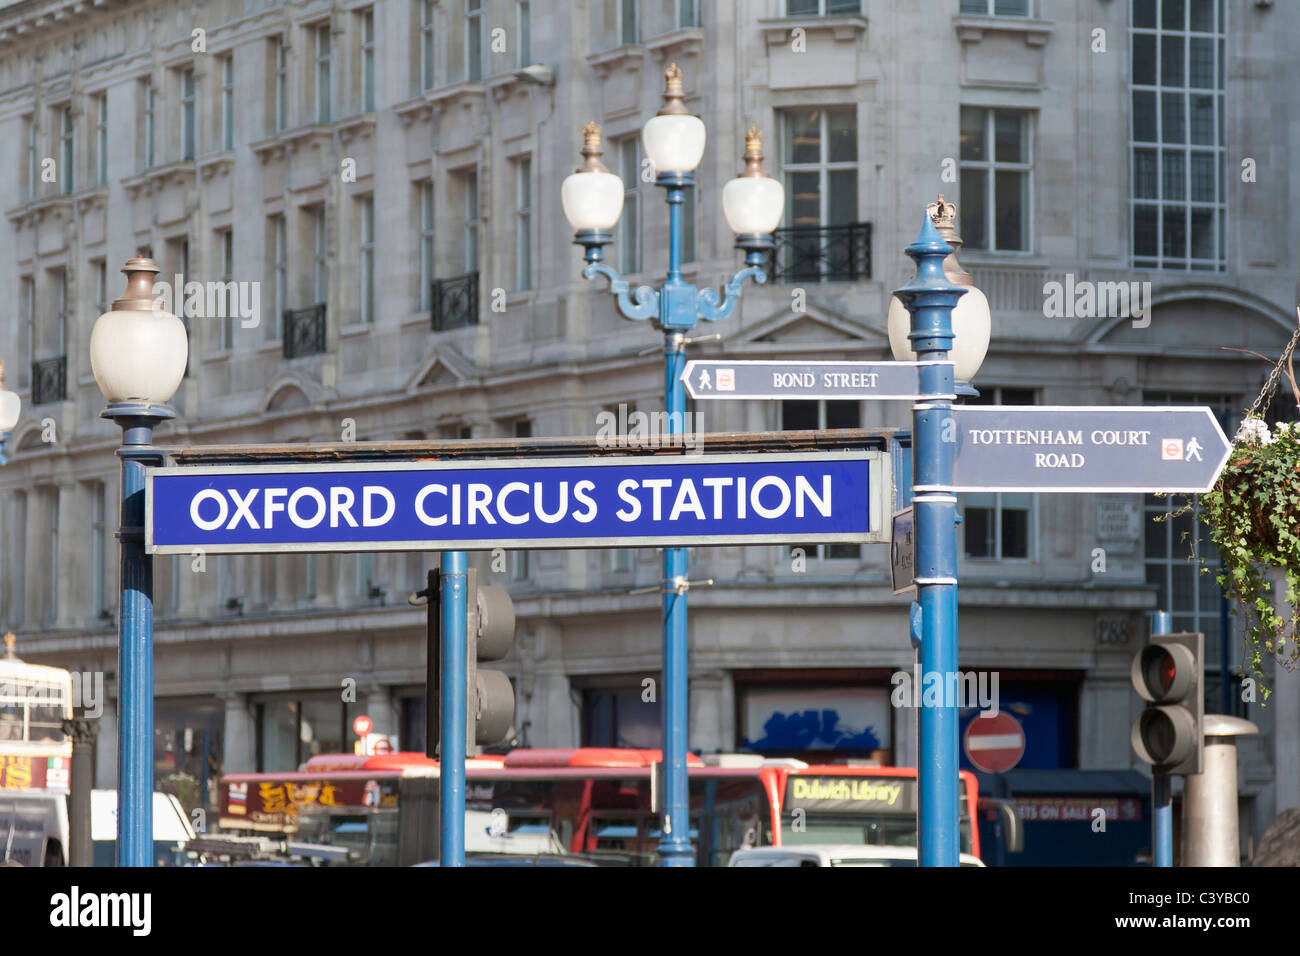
(138,353)
(752,204)
(971,320)
(11,408)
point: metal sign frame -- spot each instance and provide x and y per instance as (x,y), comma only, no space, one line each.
(910,586)
(915,366)
(879,477)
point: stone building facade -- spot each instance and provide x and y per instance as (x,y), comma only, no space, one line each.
(388,174)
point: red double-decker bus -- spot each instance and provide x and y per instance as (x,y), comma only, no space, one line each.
(598,803)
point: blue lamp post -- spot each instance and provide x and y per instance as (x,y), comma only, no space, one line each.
(930,298)
(138,353)
(11,408)
(752,204)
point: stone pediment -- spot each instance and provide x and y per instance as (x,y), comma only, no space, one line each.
(444,369)
(817,329)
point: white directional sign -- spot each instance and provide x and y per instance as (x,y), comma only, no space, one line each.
(1118,449)
(802,380)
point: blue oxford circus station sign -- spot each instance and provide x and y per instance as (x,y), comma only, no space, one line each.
(601,502)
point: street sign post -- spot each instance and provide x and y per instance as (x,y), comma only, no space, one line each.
(995,744)
(1098,449)
(608,502)
(803,380)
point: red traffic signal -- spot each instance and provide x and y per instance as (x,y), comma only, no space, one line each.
(1169,674)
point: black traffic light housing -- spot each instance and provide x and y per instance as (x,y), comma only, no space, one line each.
(490,632)
(1169,673)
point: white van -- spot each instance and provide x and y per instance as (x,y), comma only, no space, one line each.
(34,828)
(833,854)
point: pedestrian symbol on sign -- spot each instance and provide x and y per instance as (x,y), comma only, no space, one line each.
(1193,450)
(705,381)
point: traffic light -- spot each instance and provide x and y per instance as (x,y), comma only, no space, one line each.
(490,631)
(1169,673)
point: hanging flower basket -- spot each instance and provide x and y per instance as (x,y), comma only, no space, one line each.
(1253,515)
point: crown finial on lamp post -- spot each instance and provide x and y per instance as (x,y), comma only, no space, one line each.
(674,93)
(971,318)
(591,149)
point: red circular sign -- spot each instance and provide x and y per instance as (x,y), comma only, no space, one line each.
(994,744)
(361,725)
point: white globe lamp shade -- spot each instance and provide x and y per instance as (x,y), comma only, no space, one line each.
(971,325)
(674,143)
(138,352)
(592,200)
(11,408)
(753,204)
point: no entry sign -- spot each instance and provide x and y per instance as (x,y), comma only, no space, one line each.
(995,744)
(610,502)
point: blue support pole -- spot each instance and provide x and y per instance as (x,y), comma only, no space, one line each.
(1162,797)
(135,636)
(451,765)
(678,306)
(930,298)
(675,837)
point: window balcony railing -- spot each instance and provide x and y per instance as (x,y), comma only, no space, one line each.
(821,253)
(50,380)
(455,302)
(304,331)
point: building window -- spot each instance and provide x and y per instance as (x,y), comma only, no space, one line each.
(33,157)
(227,239)
(996,165)
(67,151)
(188,97)
(800,415)
(524,31)
(278,268)
(228,101)
(98,548)
(365,573)
(279,105)
(820,165)
(471,221)
(52,611)
(27,291)
(148,118)
(309,577)
(622,560)
(100,270)
(368,61)
(366,208)
(1177,129)
(629,224)
(426,44)
(628,28)
(426,246)
(474,41)
(619,717)
(321,41)
(690,222)
(999,526)
(320,262)
(688,13)
(996,8)
(519,565)
(523,224)
(101,139)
